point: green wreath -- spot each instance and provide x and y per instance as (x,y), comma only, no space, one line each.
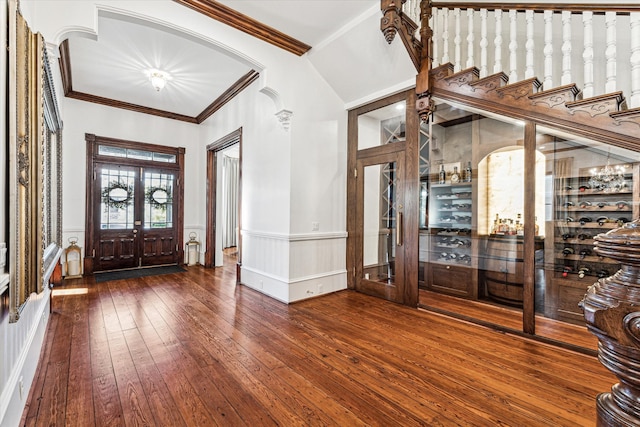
(155,203)
(119,203)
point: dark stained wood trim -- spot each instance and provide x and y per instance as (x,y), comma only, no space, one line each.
(529,279)
(65,67)
(411,199)
(244,23)
(128,106)
(210,239)
(226,141)
(228,95)
(539,7)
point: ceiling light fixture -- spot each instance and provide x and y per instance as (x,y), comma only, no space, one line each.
(158,79)
(608,179)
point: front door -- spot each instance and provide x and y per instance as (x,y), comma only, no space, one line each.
(380,254)
(134,223)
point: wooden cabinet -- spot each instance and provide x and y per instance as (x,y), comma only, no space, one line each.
(452,247)
(582,211)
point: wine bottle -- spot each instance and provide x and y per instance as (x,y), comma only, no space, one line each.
(443,175)
(468,172)
(455,176)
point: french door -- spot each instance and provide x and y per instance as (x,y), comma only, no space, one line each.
(134,205)
(380,251)
(135,219)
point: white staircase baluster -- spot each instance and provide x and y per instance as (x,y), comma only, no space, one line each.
(513,45)
(497,42)
(445,36)
(566,48)
(548,49)
(610,52)
(529,46)
(634,101)
(457,40)
(587,55)
(470,38)
(435,45)
(483,42)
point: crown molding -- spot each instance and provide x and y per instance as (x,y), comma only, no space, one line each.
(228,95)
(239,21)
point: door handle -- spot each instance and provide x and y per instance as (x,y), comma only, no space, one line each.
(399,229)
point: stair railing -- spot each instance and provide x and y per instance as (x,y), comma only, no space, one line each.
(595,47)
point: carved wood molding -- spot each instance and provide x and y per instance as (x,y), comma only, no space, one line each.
(555,108)
(228,95)
(239,21)
(393,22)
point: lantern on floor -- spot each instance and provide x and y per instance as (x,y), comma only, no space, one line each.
(192,249)
(73,259)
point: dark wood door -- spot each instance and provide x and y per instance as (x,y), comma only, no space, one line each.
(134,223)
(380,254)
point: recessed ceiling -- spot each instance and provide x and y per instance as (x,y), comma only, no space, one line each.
(111,68)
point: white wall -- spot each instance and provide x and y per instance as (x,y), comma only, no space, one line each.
(83,117)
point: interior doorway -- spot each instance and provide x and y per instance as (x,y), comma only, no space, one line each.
(224,189)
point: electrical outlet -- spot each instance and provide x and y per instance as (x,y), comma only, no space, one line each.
(315,226)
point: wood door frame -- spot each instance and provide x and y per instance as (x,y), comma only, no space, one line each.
(411,187)
(226,141)
(93,157)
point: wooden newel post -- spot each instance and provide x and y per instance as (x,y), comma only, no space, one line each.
(612,311)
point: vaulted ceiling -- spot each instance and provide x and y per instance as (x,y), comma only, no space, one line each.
(112,69)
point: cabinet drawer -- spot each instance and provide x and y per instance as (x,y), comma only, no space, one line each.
(451,279)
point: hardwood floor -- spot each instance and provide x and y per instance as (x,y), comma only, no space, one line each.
(193,349)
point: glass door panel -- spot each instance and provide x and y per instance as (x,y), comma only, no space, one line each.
(158,241)
(381,272)
(115,229)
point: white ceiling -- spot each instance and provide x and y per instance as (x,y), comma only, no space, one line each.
(114,65)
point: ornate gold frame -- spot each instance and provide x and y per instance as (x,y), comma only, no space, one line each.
(35,168)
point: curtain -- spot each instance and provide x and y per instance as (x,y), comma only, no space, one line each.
(229,201)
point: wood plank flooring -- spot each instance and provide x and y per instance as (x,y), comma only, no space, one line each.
(194,349)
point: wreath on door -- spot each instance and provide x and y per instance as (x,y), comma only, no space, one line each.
(117,195)
(158,197)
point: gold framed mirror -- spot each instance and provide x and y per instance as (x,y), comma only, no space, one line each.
(35,168)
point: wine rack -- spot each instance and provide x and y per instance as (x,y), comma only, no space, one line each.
(582,212)
(452,267)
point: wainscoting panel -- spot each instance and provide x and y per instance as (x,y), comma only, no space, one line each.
(294,267)
(20,345)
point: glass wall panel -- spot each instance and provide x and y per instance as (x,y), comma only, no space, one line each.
(590,188)
(472,184)
(383,126)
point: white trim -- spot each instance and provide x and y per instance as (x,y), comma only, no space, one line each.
(296,237)
(318,276)
(318,236)
(345,28)
(400,87)
(262,273)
